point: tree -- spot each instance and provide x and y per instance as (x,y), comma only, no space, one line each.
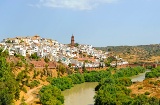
(3,53)
(51,95)
(34,56)
(9,87)
(61,68)
(46,59)
(8,41)
(76,44)
(84,67)
(69,65)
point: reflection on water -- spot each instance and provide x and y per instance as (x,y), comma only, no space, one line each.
(139,77)
(81,94)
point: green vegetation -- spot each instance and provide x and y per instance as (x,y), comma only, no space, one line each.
(3,54)
(109,60)
(96,76)
(61,69)
(23,101)
(9,87)
(77,78)
(64,83)
(51,95)
(147,93)
(140,87)
(114,84)
(46,59)
(8,41)
(128,72)
(34,56)
(33,84)
(113,90)
(155,72)
(19,64)
(144,100)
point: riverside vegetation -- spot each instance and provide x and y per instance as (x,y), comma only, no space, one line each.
(155,73)
(111,90)
(114,91)
(64,83)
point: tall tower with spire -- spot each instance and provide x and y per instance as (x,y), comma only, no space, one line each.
(72,41)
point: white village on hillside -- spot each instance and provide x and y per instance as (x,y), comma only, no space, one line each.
(73,53)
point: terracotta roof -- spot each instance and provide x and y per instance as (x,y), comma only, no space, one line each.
(38,63)
(42,63)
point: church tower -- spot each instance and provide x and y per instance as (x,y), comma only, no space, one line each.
(72,41)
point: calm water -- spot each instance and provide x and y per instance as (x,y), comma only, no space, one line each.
(139,77)
(82,94)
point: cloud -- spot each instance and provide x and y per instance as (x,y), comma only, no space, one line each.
(73,4)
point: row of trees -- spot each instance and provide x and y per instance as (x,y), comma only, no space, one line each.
(128,72)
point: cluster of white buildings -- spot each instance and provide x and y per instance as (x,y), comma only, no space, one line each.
(119,62)
(54,50)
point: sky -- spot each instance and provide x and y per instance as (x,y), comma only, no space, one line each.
(94,22)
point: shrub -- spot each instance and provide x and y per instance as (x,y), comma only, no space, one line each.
(51,95)
(140,87)
(24,89)
(34,83)
(147,93)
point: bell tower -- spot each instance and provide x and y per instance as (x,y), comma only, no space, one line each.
(72,41)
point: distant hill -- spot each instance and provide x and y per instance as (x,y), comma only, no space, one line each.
(135,54)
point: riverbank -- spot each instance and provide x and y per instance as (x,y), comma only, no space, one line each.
(67,82)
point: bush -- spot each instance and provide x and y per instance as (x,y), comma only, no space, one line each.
(77,78)
(96,76)
(147,93)
(19,64)
(24,89)
(62,83)
(154,73)
(34,83)
(34,56)
(51,95)
(140,87)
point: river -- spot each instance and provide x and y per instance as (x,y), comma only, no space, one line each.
(82,94)
(140,77)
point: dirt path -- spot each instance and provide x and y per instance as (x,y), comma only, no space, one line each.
(31,94)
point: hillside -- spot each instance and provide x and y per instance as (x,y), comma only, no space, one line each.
(135,54)
(28,75)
